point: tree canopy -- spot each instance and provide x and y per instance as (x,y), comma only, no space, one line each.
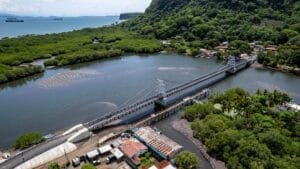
(248,130)
(54,166)
(187,160)
(28,139)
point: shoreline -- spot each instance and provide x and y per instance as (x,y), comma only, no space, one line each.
(183,126)
(286,70)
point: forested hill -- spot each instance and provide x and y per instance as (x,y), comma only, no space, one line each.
(166,4)
(207,23)
(267,20)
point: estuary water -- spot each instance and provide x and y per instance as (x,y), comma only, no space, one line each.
(63,97)
(45,25)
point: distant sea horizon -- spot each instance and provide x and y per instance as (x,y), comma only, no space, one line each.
(46,25)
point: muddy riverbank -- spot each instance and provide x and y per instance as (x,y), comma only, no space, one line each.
(184,127)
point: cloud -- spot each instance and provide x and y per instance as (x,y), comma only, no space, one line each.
(72,7)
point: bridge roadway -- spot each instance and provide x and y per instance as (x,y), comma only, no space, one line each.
(33,151)
(110,117)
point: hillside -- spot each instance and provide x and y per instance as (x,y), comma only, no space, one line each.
(206,23)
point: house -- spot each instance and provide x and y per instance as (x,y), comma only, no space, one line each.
(271,48)
(165,42)
(163,165)
(161,145)
(207,53)
(133,149)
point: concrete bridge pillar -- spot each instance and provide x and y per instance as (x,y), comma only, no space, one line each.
(161,103)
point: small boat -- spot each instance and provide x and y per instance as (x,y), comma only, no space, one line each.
(13,20)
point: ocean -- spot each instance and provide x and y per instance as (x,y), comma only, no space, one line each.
(47,25)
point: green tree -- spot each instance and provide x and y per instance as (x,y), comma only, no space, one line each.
(277,143)
(28,140)
(251,154)
(290,33)
(201,30)
(54,165)
(240,46)
(187,160)
(199,111)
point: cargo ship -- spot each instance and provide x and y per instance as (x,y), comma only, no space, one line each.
(58,19)
(13,20)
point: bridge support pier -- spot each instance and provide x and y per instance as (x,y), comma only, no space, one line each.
(160,104)
(231,71)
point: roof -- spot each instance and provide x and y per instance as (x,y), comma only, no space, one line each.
(153,167)
(105,138)
(104,149)
(163,165)
(123,165)
(116,143)
(160,142)
(117,153)
(170,167)
(293,106)
(132,147)
(48,156)
(92,154)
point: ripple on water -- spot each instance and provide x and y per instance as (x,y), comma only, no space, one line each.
(97,107)
(176,68)
(66,78)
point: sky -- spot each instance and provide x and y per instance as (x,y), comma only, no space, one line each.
(72,7)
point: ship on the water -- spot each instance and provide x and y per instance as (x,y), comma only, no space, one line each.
(13,20)
(58,19)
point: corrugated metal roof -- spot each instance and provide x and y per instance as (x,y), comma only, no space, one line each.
(160,142)
(48,156)
(105,149)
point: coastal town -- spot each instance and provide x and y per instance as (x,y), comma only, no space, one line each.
(152,84)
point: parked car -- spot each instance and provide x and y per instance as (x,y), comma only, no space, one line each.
(82,159)
(92,155)
(96,162)
(76,162)
(111,158)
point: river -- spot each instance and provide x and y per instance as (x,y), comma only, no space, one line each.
(63,97)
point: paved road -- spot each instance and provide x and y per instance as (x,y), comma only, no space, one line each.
(32,152)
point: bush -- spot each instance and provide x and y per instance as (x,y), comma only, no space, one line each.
(28,140)
(54,166)
(187,160)
(88,166)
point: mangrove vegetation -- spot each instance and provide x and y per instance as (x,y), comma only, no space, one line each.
(69,48)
